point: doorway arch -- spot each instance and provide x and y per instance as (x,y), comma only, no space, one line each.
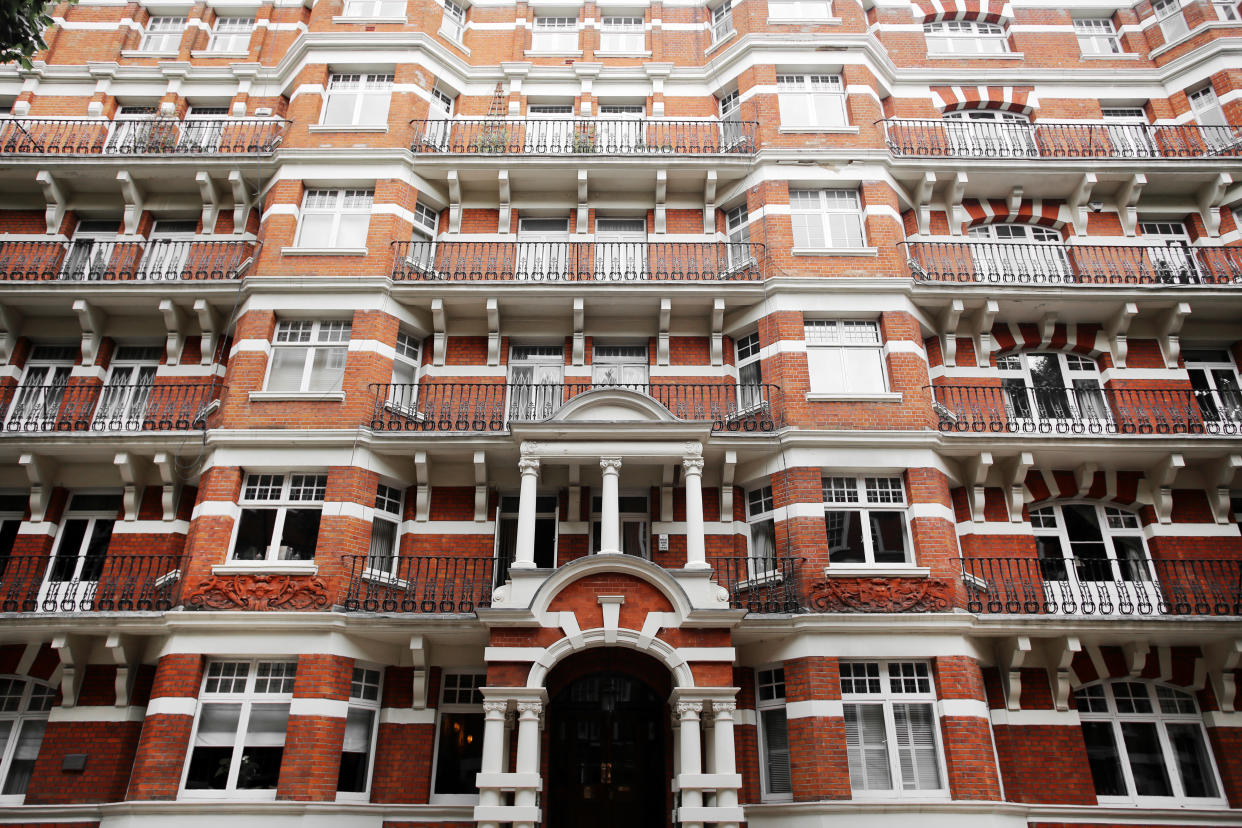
(609,741)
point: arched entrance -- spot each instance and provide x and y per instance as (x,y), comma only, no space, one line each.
(609,762)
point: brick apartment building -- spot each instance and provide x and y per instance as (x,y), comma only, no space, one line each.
(632,413)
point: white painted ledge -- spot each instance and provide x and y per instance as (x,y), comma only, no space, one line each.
(888,396)
(835,251)
(297,396)
(870,571)
(263,568)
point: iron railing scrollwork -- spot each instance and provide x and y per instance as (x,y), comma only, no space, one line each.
(583,137)
(102,583)
(155,260)
(421,584)
(136,407)
(760,584)
(140,136)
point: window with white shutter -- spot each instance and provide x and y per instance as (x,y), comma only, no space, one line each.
(826,218)
(357,99)
(844,356)
(965,37)
(361,720)
(162,34)
(810,101)
(773,732)
(335,218)
(308,357)
(891,734)
(1097,36)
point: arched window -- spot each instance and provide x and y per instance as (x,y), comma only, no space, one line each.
(24,705)
(990,133)
(1145,744)
(1052,388)
(1094,559)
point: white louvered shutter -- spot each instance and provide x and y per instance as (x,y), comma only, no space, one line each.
(867,747)
(916,746)
(776,744)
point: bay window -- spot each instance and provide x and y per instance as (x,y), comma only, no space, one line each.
(866,520)
(964,37)
(1097,36)
(230,34)
(773,733)
(308,357)
(162,34)
(385,531)
(555,34)
(358,746)
(844,356)
(621,34)
(825,219)
(891,733)
(335,219)
(358,99)
(279,517)
(810,101)
(239,732)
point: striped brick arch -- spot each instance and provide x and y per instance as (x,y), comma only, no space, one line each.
(1070,337)
(1030,211)
(981,10)
(1180,666)
(1110,487)
(1019,99)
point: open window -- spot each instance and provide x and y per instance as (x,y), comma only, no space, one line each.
(24,707)
(546,526)
(279,517)
(1217,390)
(459,739)
(1052,388)
(361,729)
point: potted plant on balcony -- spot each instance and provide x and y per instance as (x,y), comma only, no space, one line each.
(493,139)
(584,140)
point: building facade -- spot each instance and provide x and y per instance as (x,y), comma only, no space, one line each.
(421,414)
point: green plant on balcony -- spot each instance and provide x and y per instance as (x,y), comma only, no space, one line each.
(494,141)
(584,140)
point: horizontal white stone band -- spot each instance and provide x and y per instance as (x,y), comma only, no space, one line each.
(332,708)
(97,713)
(405,715)
(975,708)
(815,709)
(172,706)
(1045,718)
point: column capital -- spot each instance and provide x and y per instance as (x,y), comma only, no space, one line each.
(493,707)
(719,707)
(529,465)
(610,464)
(529,707)
(689,709)
(692,465)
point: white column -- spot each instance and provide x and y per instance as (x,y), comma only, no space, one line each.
(696,555)
(494,752)
(610,507)
(725,760)
(524,555)
(529,715)
(690,748)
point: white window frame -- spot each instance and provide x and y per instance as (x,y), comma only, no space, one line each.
(454,706)
(722,22)
(27,708)
(965,37)
(367,97)
(639,517)
(389,509)
(302,491)
(375,9)
(1172,21)
(900,682)
(366,693)
(836,215)
(1121,535)
(1080,395)
(622,34)
(1097,36)
(247,697)
(453,23)
(335,204)
(799,11)
(811,101)
(737,234)
(39,400)
(770,682)
(761,521)
(162,34)
(554,34)
(231,34)
(750,389)
(327,339)
(131,377)
(1100,702)
(547,508)
(1216,403)
(862,496)
(1227,11)
(845,357)
(408,355)
(619,365)
(75,571)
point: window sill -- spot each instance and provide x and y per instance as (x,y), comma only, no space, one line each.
(240,795)
(456,41)
(887,396)
(140,53)
(718,43)
(875,571)
(971,56)
(576,53)
(297,396)
(600,53)
(835,251)
(261,568)
(823,21)
(323,251)
(833,130)
(347,128)
(375,576)
(208,53)
(1122,56)
(340,18)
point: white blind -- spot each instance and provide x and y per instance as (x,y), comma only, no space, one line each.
(217,725)
(916,746)
(268,723)
(867,748)
(776,742)
(358,730)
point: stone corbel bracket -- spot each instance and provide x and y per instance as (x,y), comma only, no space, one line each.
(975,475)
(1013,654)
(1222,659)
(579,346)
(418,654)
(492,307)
(950,318)
(480,486)
(209,326)
(662,341)
(74,651)
(176,321)
(1015,484)
(1168,333)
(1117,330)
(165,464)
(126,653)
(718,309)
(422,490)
(133,469)
(57,202)
(439,332)
(1159,484)
(1218,475)
(41,472)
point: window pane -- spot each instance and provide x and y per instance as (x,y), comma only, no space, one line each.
(286,372)
(824,366)
(213,747)
(316,230)
(327,369)
(1151,778)
(356,750)
(916,746)
(1192,759)
(353,231)
(776,743)
(301,533)
(864,370)
(460,753)
(845,539)
(808,231)
(340,108)
(264,747)
(21,766)
(888,536)
(1103,758)
(383,545)
(867,747)
(254,534)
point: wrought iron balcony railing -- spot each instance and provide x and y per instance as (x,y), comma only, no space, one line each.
(426,583)
(484,407)
(1098,586)
(597,136)
(90,583)
(1001,263)
(763,584)
(1086,410)
(146,136)
(111,408)
(952,138)
(156,260)
(498,261)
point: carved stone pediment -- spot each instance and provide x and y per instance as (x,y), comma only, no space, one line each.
(882,595)
(259,592)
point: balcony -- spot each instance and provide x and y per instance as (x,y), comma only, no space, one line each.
(493,407)
(1102,587)
(760,584)
(1086,411)
(600,262)
(31,409)
(153,136)
(1067,265)
(570,137)
(123,261)
(103,583)
(951,138)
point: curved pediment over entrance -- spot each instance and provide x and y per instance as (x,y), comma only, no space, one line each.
(651,586)
(615,405)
